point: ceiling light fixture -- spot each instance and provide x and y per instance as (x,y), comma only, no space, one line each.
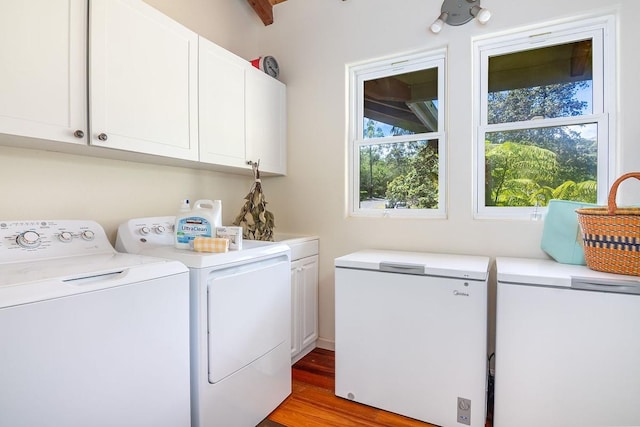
(458,12)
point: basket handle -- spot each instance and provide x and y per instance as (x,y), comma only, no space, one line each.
(614,190)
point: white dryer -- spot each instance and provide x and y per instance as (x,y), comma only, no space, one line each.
(89,337)
(240,323)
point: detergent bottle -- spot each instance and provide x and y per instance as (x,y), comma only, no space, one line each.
(197,222)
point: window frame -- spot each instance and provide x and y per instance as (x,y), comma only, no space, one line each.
(357,74)
(599,29)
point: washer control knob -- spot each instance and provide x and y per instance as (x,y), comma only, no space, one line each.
(145,230)
(87,235)
(160,229)
(65,237)
(29,239)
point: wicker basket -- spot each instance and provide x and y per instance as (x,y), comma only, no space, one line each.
(611,235)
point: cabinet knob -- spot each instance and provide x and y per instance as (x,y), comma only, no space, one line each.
(78,134)
(103,137)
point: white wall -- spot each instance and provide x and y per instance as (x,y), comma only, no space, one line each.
(231,24)
(46,185)
(314,39)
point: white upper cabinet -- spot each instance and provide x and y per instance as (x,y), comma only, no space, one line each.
(242,112)
(143,80)
(266,138)
(221,101)
(43,71)
(155,88)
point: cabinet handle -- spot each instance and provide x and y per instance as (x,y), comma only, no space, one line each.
(78,134)
(103,137)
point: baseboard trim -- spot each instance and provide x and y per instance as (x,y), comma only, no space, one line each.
(326,344)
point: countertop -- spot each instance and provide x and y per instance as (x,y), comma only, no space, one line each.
(292,239)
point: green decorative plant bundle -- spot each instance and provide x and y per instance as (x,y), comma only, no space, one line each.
(256,221)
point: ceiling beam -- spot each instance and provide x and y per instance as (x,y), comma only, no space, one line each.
(264,9)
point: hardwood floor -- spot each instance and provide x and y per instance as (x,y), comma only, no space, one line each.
(312,402)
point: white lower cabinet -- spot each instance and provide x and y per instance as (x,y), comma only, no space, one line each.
(304,299)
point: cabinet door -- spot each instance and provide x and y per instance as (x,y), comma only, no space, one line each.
(43,71)
(304,305)
(295,310)
(309,300)
(221,100)
(266,121)
(143,80)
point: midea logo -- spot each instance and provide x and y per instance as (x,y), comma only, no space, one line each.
(460,294)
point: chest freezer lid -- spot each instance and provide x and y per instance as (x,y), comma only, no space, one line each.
(546,272)
(422,263)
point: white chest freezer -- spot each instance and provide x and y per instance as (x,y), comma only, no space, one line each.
(567,347)
(411,334)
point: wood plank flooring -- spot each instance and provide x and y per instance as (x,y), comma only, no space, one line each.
(312,402)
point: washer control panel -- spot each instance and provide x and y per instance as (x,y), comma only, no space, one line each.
(140,233)
(40,239)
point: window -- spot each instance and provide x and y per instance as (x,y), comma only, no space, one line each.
(396,136)
(543,119)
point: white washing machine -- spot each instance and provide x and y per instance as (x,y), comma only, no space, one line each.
(240,323)
(89,337)
(411,334)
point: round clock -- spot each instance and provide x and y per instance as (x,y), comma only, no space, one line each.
(268,64)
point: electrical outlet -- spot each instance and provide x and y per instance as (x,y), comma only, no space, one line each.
(464,411)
